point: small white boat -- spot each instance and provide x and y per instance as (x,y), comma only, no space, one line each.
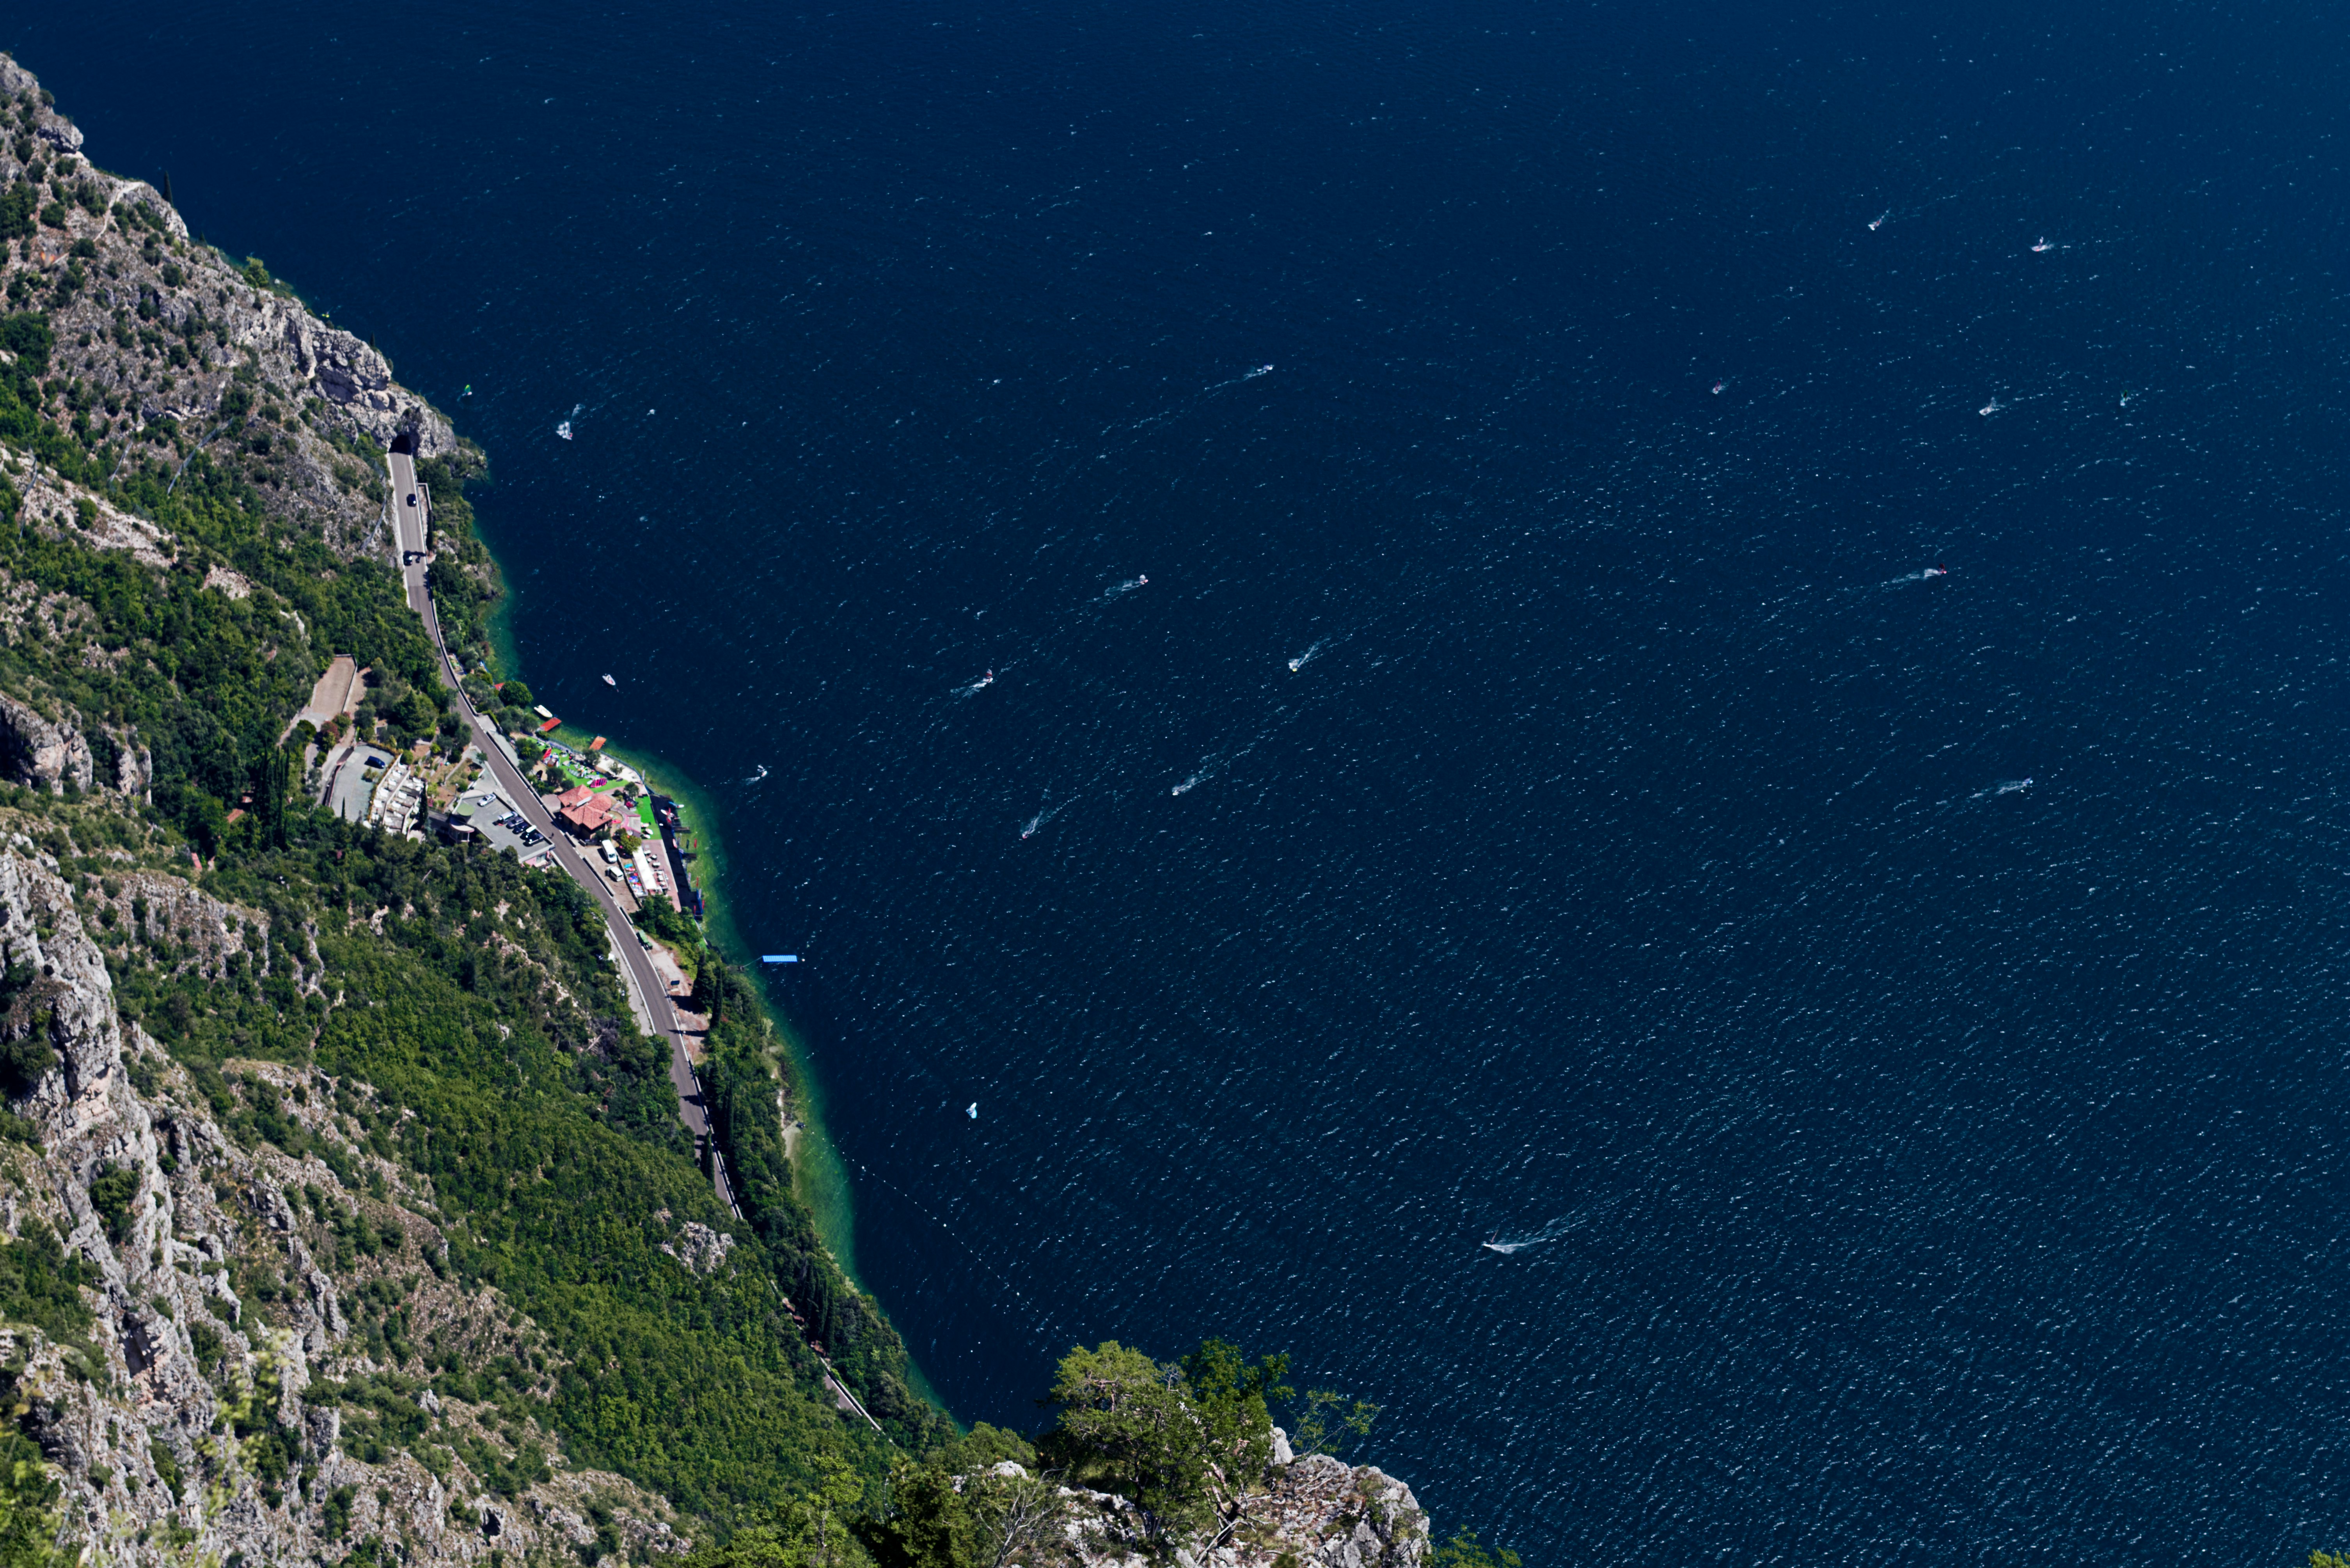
(564,430)
(2043,246)
(609,681)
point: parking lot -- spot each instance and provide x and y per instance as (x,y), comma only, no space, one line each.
(501,826)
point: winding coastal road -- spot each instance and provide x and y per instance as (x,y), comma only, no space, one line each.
(412,514)
(411,508)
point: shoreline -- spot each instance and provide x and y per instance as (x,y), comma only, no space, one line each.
(814,1162)
(819,1173)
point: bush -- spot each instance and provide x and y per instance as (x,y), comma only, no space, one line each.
(1464,1551)
(1179,1440)
(413,715)
(111,1195)
(663,919)
(40,1285)
(25,1054)
(27,1502)
(17,208)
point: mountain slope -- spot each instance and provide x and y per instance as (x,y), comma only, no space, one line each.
(345,1213)
(345,1203)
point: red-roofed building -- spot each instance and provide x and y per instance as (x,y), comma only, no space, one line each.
(585,812)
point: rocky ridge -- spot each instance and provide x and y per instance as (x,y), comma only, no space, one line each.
(1313,1510)
(242,1385)
(165,347)
(203,1412)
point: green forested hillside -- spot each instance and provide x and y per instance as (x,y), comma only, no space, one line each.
(476,999)
(744,1068)
(143,376)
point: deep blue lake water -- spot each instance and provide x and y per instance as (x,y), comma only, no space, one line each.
(1538,796)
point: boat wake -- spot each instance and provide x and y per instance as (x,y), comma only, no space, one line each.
(2005,786)
(1928,576)
(754,778)
(564,430)
(1187,405)
(1308,656)
(1120,589)
(1565,1225)
(1991,407)
(982,684)
(1028,829)
(1250,375)
(1209,767)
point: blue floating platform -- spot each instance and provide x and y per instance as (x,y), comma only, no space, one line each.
(779,957)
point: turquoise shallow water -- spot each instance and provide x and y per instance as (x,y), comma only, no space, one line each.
(1897,1160)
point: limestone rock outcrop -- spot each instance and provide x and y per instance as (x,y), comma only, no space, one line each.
(66,510)
(222,357)
(43,753)
(134,766)
(187,1424)
(355,377)
(52,128)
(1315,1510)
(700,1248)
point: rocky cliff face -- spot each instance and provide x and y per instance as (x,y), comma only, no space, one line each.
(1315,1510)
(41,752)
(164,346)
(1332,1514)
(240,1389)
(210,1410)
